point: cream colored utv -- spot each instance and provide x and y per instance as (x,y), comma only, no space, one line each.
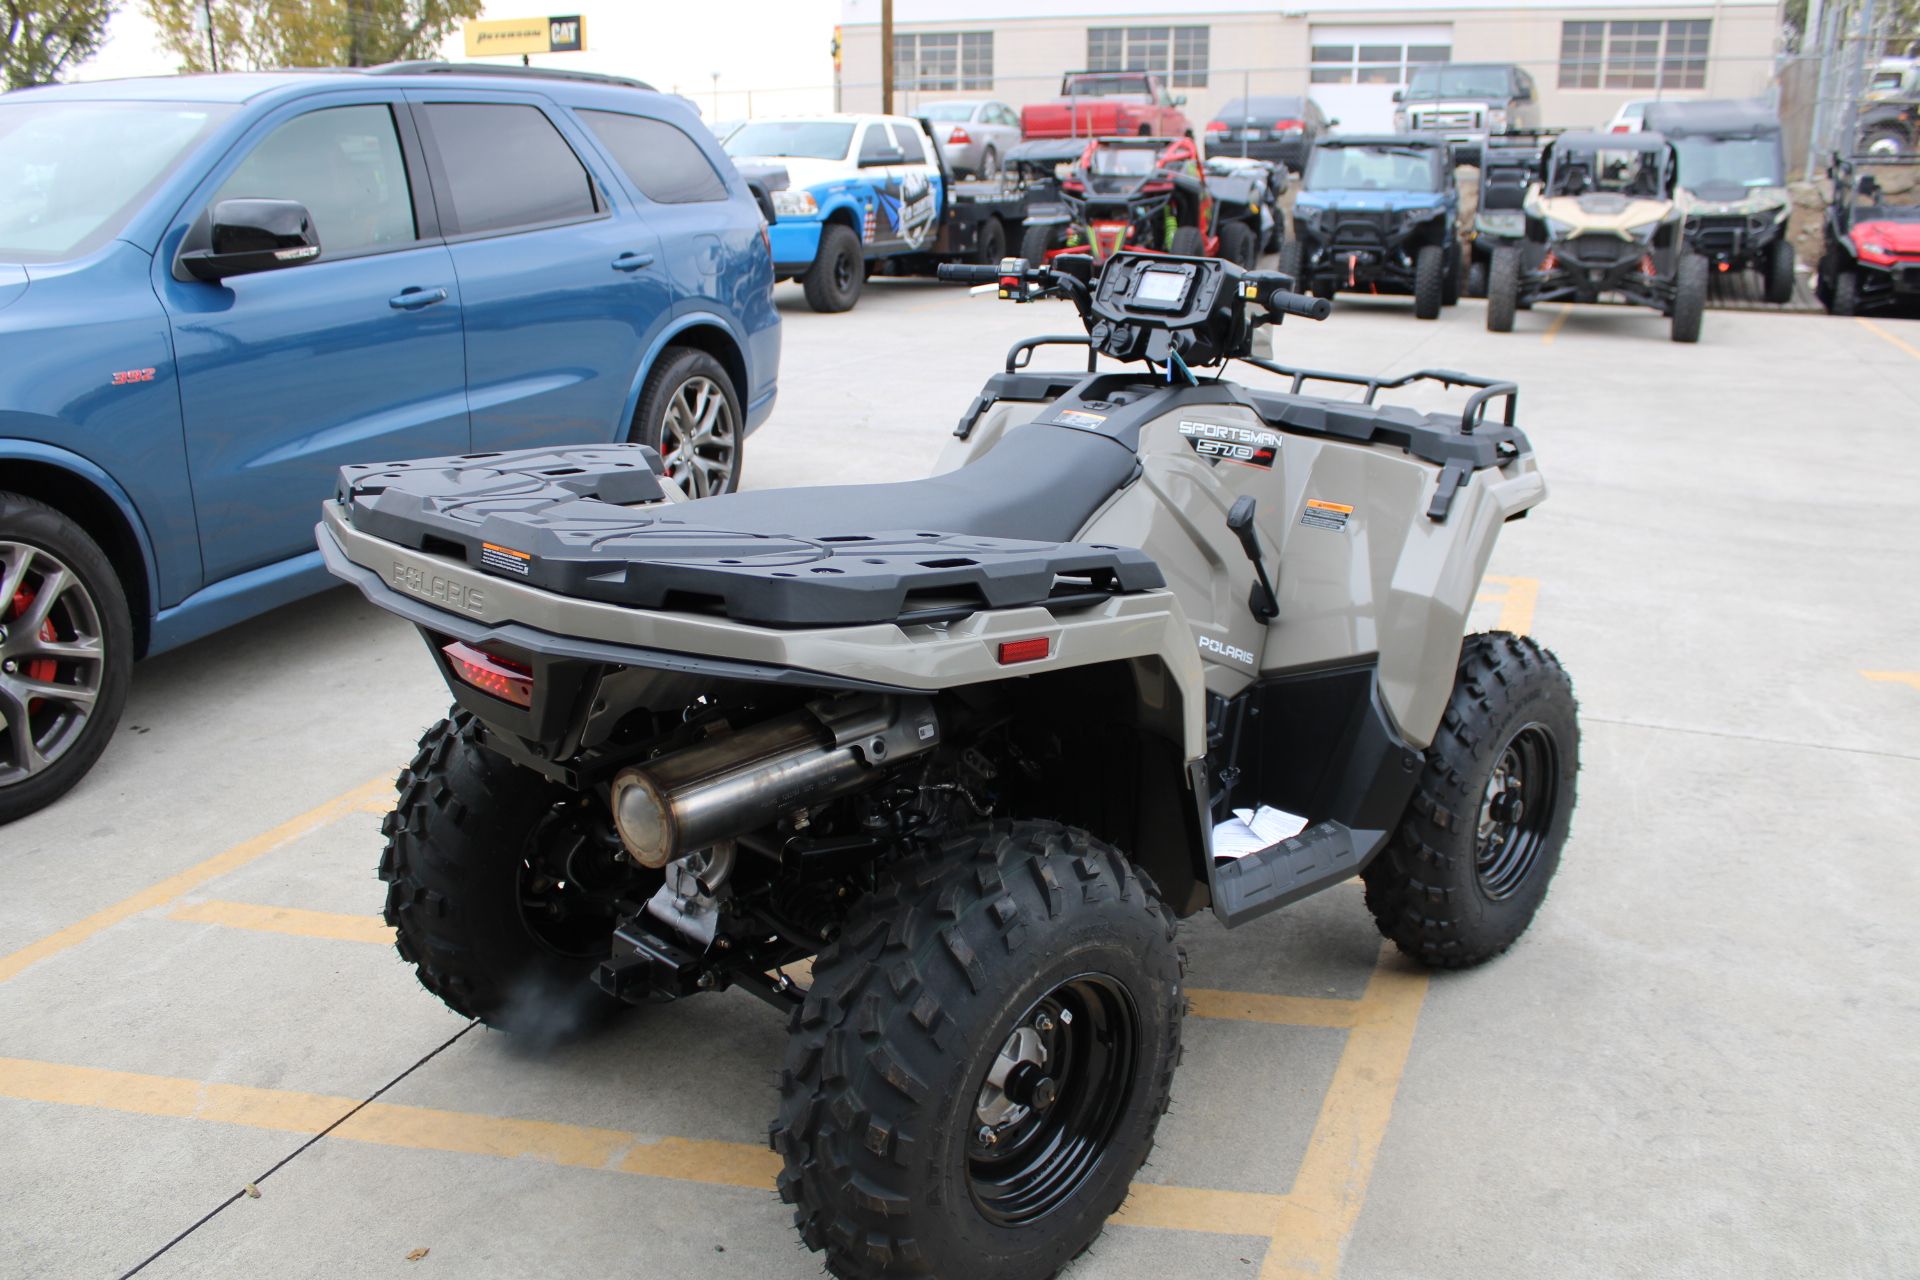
(1149,642)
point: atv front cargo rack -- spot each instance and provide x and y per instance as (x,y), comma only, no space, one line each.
(593,523)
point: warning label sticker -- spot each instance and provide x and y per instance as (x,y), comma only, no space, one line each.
(504,559)
(1325,515)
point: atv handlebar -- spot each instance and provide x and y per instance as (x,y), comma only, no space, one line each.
(968,273)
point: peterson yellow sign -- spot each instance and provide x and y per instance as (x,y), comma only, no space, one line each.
(564,34)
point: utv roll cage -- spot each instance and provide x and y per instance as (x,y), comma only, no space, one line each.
(1572,165)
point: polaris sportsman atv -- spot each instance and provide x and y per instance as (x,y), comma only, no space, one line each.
(1602,220)
(1147,194)
(964,742)
(1377,215)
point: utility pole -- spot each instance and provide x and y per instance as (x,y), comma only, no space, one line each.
(213,47)
(886,57)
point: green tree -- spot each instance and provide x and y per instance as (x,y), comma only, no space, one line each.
(40,39)
(249,35)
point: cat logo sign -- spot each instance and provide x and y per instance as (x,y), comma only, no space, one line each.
(564,34)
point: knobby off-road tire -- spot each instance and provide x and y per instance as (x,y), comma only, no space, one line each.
(66,654)
(1450,281)
(1290,255)
(1779,276)
(689,412)
(1690,298)
(992,246)
(1503,290)
(964,953)
(1036,240)
(1476,279)
(1238,245)
(1844,297)
(1428,288)
(1461,878)
(458,839)
(834,280)
(1187,242)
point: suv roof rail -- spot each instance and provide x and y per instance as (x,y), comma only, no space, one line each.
(429,66)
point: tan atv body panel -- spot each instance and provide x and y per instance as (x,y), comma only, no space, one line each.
(1388,581)
(1635,212)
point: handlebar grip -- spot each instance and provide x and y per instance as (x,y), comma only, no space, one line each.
(967,272)
(1300,304)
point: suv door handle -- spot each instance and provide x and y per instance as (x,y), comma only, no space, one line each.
(631,261)
(414,298)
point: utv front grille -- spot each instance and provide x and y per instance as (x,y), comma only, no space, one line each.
(1719,235)
(1362,231)
(1598,251)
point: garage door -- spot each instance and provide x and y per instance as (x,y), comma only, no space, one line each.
(1356,69)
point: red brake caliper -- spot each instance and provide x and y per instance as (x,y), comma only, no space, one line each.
(40,669)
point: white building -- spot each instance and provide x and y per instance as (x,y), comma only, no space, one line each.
(1586,58)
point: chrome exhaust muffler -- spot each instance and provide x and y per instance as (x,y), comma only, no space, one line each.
(737,782)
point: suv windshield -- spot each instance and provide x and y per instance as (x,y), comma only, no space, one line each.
(1460,82)
(1746,162)
(72,173)
(1380,168)
(800,139)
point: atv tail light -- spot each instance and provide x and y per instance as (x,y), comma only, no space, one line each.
(959,137)
(504,678)
(1724,266)
(1012,651)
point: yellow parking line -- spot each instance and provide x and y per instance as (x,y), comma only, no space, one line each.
(1291,1011)
(294,920)
(193,877)
(1895,677)
(1516,601)
(1310,1232)
(733,1164)
(1566,309)
(1886,336)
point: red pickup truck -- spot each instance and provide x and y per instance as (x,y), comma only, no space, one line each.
(1108,104)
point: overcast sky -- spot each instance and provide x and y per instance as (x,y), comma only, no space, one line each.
(779,49)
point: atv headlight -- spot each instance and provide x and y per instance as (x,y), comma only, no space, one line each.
(795,204)
(1558,230)
(1643,231)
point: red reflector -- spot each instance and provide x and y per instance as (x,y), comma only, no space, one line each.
(1621,128)
(504,678)
(1217,126)
(959,137)
(1012,651)
(1725,267)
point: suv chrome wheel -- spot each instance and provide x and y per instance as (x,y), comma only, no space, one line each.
(698,438)
(52,659)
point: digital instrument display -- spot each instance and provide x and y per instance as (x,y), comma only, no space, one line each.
(1160,288)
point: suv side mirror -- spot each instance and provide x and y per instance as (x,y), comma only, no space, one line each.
(1179,99)
(879,159)
(250,235)
(1399,95)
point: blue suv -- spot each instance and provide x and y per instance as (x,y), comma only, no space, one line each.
(215,290)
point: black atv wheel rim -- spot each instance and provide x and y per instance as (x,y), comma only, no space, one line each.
(1047,1108)
(52,660)
(1516,811)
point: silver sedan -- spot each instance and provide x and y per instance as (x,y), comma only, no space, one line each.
(974,133)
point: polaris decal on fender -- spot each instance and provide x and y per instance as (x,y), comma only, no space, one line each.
(1247,445)
(1230,651)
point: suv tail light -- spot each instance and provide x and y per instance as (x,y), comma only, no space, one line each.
(504,678)
(959,137)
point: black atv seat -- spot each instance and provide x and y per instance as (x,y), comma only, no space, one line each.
(589,522)
(1041,483)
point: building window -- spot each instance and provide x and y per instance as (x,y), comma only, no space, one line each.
(1634,54)
(1386,63)
(943,61)
(1177,54)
